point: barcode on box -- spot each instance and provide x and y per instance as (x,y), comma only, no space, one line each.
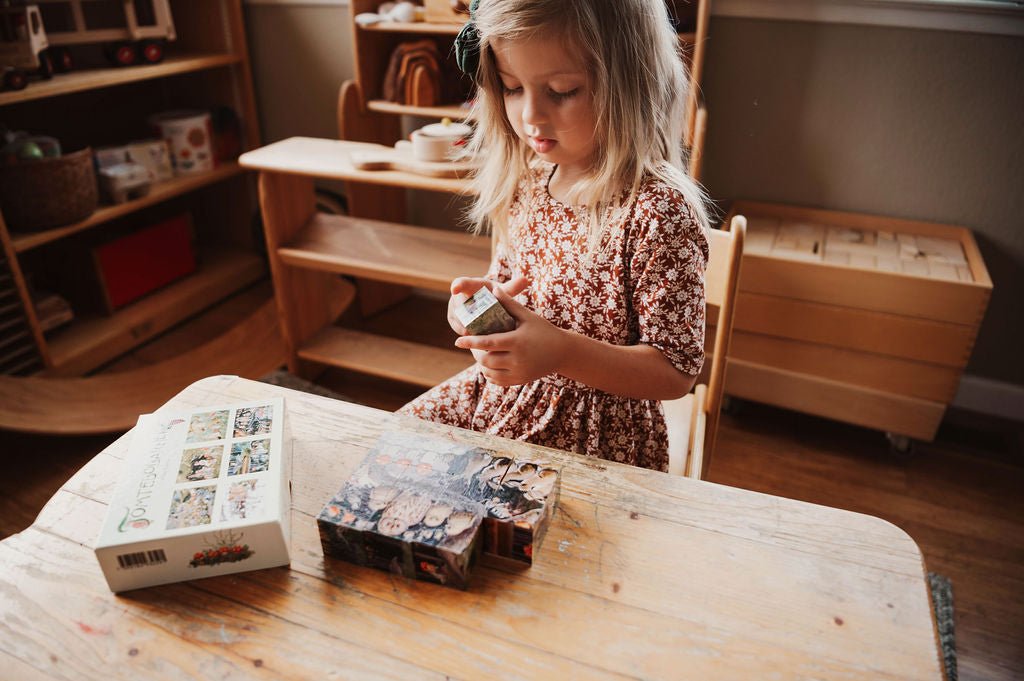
(141,558)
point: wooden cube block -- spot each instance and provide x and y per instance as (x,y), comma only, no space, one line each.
(482,314)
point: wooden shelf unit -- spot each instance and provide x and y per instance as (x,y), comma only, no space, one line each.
(95,340)
(384,357)
(25,241)
(309,250)
(383,251)
(206,67)
(453,112)
(90,79)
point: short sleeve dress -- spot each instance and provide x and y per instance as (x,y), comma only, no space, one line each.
(646,285)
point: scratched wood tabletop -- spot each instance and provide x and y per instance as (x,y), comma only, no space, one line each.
(641,575)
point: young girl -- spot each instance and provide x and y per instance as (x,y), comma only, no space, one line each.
(600,236)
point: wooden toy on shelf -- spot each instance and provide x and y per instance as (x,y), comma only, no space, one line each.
(401,157)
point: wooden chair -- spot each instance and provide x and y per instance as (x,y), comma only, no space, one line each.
(693,419)
(696,150)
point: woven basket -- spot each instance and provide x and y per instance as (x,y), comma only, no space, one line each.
(36,195)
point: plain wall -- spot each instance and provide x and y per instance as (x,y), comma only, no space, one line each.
(300,57)
(918,124)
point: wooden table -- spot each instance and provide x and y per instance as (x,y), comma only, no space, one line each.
(641,575)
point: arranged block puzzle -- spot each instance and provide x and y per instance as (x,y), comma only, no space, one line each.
(917,255)
(424,507)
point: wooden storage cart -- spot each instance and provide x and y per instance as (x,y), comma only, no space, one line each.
(206,67)
(855,343)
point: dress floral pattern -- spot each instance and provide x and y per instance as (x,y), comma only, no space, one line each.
(645,285)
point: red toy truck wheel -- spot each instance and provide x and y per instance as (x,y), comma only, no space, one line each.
(152,51)
(15,80)
(123,54)
(61,58)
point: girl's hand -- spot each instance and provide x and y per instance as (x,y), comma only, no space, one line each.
(534,349)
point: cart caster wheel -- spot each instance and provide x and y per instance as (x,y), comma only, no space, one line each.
(899,444)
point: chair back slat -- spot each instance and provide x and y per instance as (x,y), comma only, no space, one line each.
(721,282)
(724,271)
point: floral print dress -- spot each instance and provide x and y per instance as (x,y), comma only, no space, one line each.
(646,285)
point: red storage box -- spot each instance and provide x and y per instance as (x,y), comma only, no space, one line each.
(134,265)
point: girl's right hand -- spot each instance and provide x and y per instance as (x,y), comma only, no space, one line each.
(467,286)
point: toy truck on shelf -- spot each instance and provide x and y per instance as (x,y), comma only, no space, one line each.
(36,38)
(23,46)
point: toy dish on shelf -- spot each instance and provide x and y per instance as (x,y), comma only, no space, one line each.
(401,157)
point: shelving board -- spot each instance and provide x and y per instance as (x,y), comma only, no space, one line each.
(329,159)
(24,241)
(91,79)
(89,342)
(383,251)
(452,111)
(430,28)
(385,357)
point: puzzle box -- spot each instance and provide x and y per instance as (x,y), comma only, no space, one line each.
(203,493)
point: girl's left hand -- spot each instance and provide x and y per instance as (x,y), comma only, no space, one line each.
(533,350)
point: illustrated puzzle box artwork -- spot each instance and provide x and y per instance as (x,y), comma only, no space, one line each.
(424,507)
(203,493)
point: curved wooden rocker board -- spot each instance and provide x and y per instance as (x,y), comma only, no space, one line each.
(112,402)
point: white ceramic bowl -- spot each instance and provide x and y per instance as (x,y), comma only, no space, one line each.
(438,141)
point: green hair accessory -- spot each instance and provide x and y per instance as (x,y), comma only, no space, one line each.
(467,44)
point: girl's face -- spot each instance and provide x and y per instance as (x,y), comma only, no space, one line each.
(549,100)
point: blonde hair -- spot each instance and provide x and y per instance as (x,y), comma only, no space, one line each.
(638,82)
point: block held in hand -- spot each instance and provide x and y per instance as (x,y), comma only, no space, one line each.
(482,314)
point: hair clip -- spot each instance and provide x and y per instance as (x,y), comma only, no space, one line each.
(467,44)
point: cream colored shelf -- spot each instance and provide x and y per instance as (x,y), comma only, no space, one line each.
(91,79)
(384,106)
(90,342)
(382,356)
(23,241)
(417,27)
(383,251)
(329,159)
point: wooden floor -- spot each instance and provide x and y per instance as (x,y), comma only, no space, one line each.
(960,498)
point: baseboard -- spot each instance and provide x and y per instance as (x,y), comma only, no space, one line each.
(988,396)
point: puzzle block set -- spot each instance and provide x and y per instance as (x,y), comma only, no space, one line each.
(203,494)
(426,506)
